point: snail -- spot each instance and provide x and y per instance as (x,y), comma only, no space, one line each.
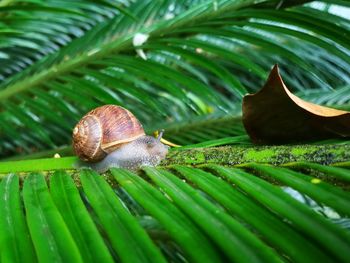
(111,136)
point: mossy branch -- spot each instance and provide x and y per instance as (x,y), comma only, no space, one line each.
(227,155)
(276,155)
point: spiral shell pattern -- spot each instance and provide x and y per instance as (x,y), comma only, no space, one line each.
(103,130)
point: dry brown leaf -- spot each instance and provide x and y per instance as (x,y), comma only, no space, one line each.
(274,115)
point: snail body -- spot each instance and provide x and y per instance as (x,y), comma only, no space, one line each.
(111,136)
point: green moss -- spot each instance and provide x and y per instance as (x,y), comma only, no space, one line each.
(225,155)
(196,158)
(337,151)
(259,156)
(276,155)
(300,151)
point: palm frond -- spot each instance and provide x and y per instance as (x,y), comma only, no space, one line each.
(339,98)
(238,203)
(182,209)
(34,30)
(201,58)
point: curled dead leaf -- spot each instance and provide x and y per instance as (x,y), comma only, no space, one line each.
(275,115)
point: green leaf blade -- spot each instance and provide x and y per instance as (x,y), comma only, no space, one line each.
(211,218)
(179,227)
(67,199)
(320,192)
(295,247)
(51,237)
(128,238)
(15,241)
(337,172)
(329,236)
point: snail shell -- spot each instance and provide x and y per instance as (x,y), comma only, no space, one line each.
(103,130)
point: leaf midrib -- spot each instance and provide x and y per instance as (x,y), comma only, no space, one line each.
(124,42)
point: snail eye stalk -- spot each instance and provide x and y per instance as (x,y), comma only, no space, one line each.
(160,135)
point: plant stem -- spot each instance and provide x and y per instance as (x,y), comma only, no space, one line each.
(276,155)
(227,155)
(47,164)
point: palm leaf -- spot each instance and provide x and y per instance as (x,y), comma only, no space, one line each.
(238,203)
(190,60)
(187,218)
(34,30)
